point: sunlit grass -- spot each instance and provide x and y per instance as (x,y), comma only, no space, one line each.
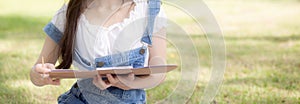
(33,8)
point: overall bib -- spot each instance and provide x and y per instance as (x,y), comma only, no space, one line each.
(84,91)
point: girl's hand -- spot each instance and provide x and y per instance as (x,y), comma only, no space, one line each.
(40,75)
(117,81)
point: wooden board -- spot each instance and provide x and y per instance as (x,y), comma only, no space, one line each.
(67,73)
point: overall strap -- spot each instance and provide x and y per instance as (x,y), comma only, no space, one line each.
(153,10)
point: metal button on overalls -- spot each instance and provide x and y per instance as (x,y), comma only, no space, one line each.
(100,64)
(142,51)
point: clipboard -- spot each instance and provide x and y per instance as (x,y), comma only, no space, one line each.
(68,73)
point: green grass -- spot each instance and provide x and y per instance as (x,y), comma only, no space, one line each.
(262,40)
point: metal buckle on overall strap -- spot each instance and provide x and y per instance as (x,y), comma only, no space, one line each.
(143,49)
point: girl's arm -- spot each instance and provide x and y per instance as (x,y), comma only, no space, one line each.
(50,54)
(157,56)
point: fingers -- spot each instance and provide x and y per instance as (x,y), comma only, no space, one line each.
(131,76)
(97,81)
(53,82)
(122,86)
(42,73)
(42,70)
(50,81)
(124,81)
(112,80)
(50,66)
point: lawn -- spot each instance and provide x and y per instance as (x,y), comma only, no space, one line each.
(262,52)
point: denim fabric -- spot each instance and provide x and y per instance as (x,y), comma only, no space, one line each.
(129,58)
(112,95)
(87,92)
(73,96)
(153,9)
(53,32)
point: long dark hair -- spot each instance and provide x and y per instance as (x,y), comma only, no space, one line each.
(75,8)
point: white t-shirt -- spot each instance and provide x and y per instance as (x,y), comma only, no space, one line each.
(94,41)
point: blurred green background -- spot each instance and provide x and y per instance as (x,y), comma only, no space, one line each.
(262,40)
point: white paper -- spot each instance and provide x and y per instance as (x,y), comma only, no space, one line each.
(120,67)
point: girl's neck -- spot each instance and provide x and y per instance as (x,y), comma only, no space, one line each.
(107,4)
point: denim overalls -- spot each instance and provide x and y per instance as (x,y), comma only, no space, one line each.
(84,91)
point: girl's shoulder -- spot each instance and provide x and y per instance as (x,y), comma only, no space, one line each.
(62,10)
(59,17)
(141,9)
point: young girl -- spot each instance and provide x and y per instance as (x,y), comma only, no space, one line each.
(94,34)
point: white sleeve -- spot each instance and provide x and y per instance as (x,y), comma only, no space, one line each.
(55,28)
(160,21)
(59,18)
(142,11)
